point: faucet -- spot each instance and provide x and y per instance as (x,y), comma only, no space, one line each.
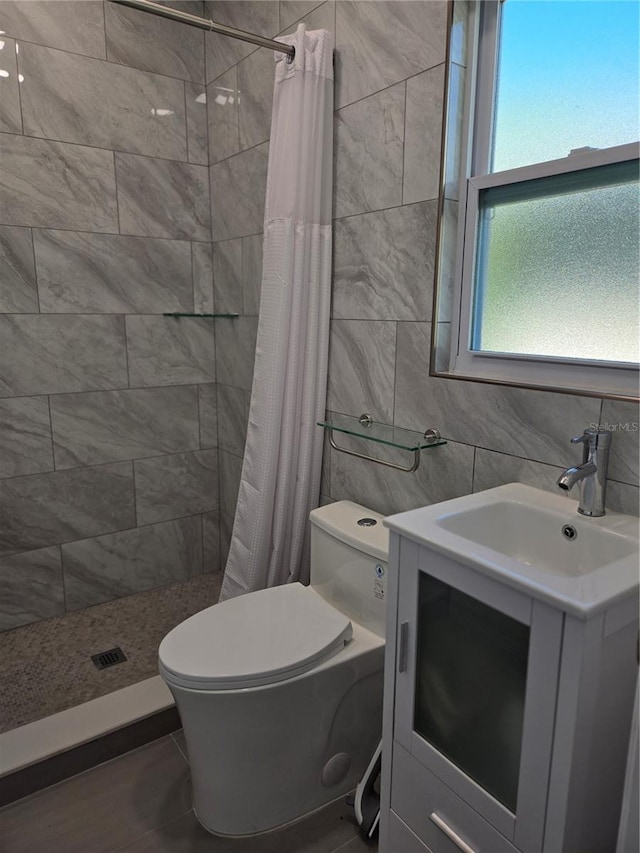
(592,474)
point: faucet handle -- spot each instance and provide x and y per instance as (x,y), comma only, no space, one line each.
(585,438)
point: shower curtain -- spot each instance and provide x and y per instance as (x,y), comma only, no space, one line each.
(280,481)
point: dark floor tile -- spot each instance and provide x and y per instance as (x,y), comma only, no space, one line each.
(323,832)
(358,845)
(103,809)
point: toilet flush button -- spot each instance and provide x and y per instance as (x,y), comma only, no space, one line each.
(367,522)
(336,769)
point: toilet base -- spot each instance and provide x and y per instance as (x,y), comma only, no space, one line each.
(264,757)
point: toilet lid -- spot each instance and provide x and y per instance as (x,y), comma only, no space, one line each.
(255,639)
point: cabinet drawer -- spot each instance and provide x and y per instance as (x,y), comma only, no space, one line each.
(416,795)
(401,839)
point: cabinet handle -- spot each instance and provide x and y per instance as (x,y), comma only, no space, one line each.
(435,817)
(403,645)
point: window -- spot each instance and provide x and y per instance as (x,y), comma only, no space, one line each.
(546,290)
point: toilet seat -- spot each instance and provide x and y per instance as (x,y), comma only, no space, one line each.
(256,639)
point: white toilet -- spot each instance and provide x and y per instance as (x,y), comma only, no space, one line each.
(280,691)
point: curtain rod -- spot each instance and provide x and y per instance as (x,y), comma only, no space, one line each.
(207,24)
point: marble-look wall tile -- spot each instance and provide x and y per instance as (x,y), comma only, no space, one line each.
(495,469)
(381,43)
(18,292)
(177,485)
(162,198)
(193,7)
(222,116)
(233,416)
(10,115)
(202,270)
(369,143)
(154,44)
(42,354)
(323,17)
(109,426)
(91,102)
(73,25)
(170,351)
(119,564)
(197,134)
(621,497)
(531,424)
(623,419)
(293,10)
(230,475)
(422,136)
(445,472)
(211,542)
(261,18)
(227,276)
(25,436)
(48,509)
(208,410)
(235,351)
(238,188)
(361,368)
(384,264)
(255,87)
(56,185)
(79,272)
(30,588)
(252,273)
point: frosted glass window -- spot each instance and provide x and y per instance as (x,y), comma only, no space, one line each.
(557,267)
(568,78)
(471,676)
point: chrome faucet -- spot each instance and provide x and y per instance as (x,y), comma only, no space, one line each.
(592,474)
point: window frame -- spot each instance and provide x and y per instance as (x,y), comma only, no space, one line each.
(600,378)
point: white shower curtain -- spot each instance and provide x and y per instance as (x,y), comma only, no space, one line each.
(283,456)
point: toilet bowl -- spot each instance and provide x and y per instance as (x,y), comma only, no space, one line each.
(280,691)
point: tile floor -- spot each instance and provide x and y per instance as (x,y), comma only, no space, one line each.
(141,803)
(46,667)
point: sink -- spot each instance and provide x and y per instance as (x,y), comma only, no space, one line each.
(533,540)
(540,537)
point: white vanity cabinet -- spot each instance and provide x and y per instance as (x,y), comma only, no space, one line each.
(507,714)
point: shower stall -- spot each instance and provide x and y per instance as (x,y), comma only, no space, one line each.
(132,181)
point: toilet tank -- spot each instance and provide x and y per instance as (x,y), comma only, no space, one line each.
(349,561)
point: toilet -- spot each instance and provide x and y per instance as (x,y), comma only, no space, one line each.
(280,691)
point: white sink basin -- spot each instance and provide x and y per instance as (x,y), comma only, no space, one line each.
(515,532)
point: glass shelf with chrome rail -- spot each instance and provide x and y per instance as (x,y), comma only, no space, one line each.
(392,436)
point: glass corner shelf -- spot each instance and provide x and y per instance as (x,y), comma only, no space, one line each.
(185,314)
(392,436)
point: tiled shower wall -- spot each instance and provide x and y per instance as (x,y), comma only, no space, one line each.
(389,91)
(108,440)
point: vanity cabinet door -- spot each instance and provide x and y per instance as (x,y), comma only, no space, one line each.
(476,689)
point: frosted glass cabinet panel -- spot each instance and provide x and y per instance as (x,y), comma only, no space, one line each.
(475,694)
(471,676)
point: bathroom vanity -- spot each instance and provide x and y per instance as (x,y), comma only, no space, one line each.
(510,672)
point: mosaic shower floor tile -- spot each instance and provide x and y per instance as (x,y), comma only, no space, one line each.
(46,667)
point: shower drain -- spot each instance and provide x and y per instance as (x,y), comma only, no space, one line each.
(108,658)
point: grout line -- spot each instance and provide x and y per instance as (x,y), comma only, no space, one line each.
(180,750)
(91,147)
(404,141)
(473,470)
(104,59)
(389,86)
(126,350)
(35,270)
(186,123)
